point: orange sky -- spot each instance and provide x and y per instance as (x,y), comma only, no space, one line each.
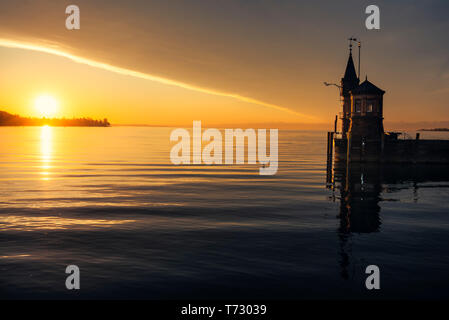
(84,90)
(223,64)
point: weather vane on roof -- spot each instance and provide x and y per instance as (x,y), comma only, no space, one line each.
(350,43)
(359,44)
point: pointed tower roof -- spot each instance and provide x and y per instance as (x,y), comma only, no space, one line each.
(367,87)
(350,74)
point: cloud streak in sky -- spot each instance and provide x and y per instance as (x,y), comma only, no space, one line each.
(141,75)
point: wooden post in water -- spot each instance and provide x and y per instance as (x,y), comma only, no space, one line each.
(330,147)
(330,150)
(348,147)
(348,158)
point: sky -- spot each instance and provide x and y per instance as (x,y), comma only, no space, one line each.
(222,62)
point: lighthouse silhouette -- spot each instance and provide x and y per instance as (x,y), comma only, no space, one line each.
(362,114)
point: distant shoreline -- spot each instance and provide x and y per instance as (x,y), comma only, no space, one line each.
(435,129)
(11,120)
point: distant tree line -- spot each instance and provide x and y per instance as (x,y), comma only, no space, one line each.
(435,129)
(7,119)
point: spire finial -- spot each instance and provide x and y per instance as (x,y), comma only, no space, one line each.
(350,44)
(366,77)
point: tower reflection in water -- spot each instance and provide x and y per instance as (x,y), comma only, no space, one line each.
(361,187)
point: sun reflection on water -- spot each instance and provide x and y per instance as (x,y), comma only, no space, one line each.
(46,140)
(25,223)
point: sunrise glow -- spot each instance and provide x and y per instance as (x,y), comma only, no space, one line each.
(46,106)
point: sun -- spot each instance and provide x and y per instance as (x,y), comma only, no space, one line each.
(46,105)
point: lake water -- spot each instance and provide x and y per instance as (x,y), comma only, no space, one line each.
(109,201)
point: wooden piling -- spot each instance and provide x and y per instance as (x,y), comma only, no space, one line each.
(330,150)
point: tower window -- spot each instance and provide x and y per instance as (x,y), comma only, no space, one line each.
(370,105)
(357,105)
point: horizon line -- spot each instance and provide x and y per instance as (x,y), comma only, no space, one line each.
(212,124)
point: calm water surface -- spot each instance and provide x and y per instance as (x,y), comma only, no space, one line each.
(109,201)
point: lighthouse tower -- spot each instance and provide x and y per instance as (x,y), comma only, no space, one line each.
(347,83)
(366,122)
(362,114)
(366,112)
